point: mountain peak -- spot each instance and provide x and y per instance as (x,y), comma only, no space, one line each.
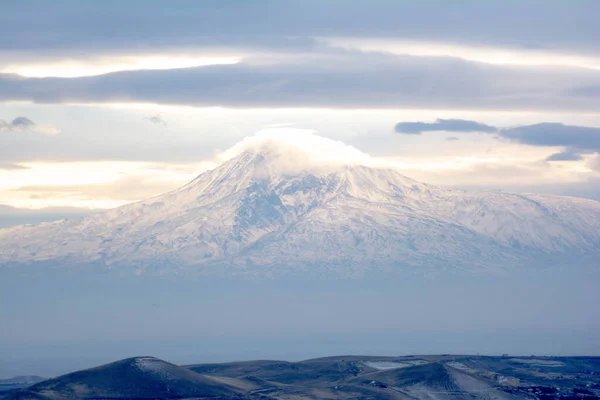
(277,206)
(292,151)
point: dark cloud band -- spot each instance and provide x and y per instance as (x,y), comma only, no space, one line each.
(580,138)
(331,80)
(448,125)
(577,140)
(84,27)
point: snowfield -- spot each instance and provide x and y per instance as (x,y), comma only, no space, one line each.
(385,365)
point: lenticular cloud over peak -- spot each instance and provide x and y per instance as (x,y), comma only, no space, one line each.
(294,150)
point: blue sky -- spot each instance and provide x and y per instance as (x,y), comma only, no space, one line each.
(104,103)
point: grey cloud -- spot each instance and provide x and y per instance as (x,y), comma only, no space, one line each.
(581,139)
(97,26)
(452,139)
(340,80)
(24,124)
(576,140)
(17,124)
(586,91)
(565,156)
(449,125)
(157,120)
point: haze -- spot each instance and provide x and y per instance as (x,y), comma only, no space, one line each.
(104,104)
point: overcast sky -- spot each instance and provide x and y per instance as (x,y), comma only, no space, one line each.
(103,103)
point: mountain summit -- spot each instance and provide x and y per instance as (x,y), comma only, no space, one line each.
(254,214)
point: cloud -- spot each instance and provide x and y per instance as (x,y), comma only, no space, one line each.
(99,135)
(126,189)
(292,150)
(590,91)
(577,140)
(24,124)
(348,79)
(484,53)
(565,156)
(10,166)
(17,124)
(448,125)
(74,28)
(556,134)
(156,120)
(452,139)
(594,164)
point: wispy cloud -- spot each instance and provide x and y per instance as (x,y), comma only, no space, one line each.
(11,166)
(126,189)
(565,156)
(157,120)
(24,124)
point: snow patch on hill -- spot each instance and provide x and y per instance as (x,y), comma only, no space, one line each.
(154,366)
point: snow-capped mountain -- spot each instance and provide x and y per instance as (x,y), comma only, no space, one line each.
(249,214)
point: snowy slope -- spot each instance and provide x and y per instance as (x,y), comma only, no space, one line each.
(246,213)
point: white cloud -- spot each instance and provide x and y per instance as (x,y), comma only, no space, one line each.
(75,68)
(484,54)
(293,150)
(46,130)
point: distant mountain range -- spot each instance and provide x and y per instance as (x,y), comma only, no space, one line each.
(342,377)
(11,216)
(250,216)
(18,382)
(22,380)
